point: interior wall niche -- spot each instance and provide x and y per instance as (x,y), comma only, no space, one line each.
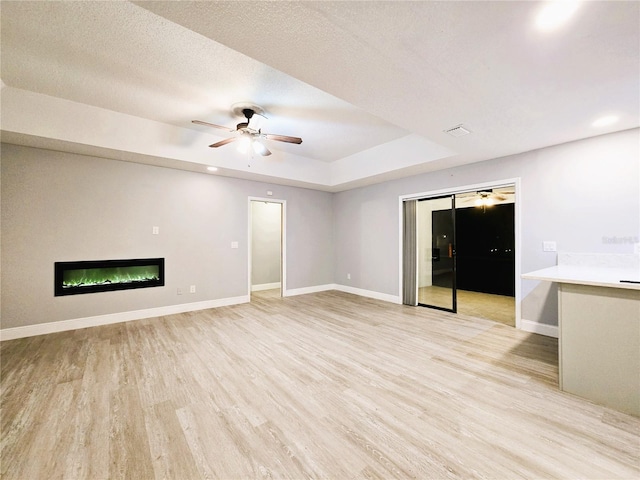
(74,278)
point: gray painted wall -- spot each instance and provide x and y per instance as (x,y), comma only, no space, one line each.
(266,222)
(579,194)
(64,207)
(59,207)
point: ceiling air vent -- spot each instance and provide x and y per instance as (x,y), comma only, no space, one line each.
(458,131)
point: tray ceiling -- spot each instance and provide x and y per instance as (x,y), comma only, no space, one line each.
(369,86)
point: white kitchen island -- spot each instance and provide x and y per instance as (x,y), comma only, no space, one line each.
(599,327)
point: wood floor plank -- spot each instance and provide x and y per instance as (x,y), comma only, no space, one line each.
(326,385)
(129,452)
(87,431)
(170,452)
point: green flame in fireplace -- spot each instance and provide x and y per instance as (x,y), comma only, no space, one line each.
(109,276)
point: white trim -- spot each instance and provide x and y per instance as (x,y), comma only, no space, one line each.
(283,235)
(75,323)
(461,189)
(401,246)
(265,286)
(416,293)
(517,227)
(518,244)
(369,293)
(304,290)
(539,328)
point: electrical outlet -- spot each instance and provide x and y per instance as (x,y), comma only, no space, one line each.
(179,291)
(348,276)
(234,244)
(156,230)
(548,246)
(192,289)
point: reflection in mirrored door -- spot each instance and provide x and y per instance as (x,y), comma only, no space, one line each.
(436,253)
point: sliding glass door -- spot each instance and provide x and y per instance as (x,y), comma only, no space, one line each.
(436,220)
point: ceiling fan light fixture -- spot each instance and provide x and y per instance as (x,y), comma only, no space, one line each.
(260,149)
(244,143)
(484,200)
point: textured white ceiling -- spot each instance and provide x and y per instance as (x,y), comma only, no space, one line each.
(123,58)
(427,66)
(353,79)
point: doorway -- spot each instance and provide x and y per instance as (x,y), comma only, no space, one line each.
(266,247)
(466,255)
(486,254)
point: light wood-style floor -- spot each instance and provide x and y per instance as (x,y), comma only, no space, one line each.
(499,308)
(327,385)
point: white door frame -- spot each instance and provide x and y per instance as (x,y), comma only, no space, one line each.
(470,188)
(283,244)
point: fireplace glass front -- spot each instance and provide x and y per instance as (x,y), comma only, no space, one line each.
(73,278)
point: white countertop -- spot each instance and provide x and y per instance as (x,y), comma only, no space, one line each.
(587,275)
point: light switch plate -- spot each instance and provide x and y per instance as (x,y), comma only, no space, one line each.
(548,246)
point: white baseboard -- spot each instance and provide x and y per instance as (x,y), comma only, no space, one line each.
(343,288)
(539,328)
(265,286)
(304,290)
(73,324)
(368,293)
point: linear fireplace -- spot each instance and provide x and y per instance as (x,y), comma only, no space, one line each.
(74,278)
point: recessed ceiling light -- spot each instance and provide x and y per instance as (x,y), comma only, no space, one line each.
(212,169)
(605,121)
(555,13)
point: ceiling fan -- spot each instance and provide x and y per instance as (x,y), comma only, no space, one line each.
(485,198)
(249,133)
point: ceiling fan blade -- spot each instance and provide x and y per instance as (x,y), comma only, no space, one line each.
(223,142)
(282,138)
(207,124)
